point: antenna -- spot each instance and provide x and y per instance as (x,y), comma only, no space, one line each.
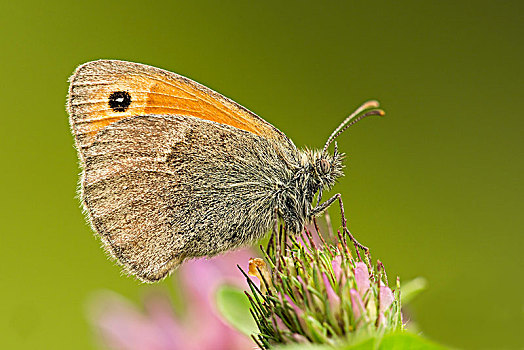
(353,119)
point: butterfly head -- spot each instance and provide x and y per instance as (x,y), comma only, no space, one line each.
(327,168)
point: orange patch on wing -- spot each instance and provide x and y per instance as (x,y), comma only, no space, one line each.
(195,103)
(152,91)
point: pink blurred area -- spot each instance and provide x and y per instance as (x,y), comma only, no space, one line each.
(156,325)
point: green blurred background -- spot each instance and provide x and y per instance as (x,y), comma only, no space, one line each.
(435,188)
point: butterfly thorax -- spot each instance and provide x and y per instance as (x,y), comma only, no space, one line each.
(316,172)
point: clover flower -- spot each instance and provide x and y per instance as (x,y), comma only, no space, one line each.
(314,292)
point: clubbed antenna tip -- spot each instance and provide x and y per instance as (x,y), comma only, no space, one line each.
(370,108)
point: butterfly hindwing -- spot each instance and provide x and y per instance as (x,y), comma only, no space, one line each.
(159,189)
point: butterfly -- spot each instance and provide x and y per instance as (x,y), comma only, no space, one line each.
(172,170)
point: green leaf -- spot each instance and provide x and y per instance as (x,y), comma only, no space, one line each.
(409,290)
(233,305)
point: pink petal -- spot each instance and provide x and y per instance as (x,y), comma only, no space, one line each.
(357,305)
(362,278)
(386,298)
(298,311)
(336,264)
(160,313)
(294,306)
(333,298)
(280,325)
(201,277)
(122,326)
(340,276)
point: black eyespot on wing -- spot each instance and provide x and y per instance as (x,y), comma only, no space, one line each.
(119,101)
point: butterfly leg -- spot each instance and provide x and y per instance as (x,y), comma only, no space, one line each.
(319,198)
(322,207)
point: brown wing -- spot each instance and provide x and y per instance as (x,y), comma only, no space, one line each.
(160,189)
(103,92)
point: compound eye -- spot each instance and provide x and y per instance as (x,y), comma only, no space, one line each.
(324,166)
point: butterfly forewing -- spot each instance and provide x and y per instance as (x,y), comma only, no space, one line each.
(103,92)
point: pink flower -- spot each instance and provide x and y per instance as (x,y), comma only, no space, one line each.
(122,325)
